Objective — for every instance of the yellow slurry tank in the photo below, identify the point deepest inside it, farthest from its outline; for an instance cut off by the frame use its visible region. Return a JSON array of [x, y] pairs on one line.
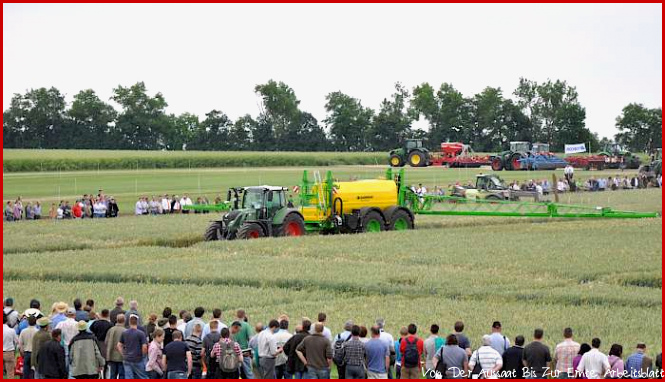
[[365, 193]]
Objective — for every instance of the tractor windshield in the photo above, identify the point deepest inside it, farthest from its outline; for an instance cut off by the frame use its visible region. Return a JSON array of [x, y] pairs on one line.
[[253, 198], [414, 144], [541, 148], [519, 147]]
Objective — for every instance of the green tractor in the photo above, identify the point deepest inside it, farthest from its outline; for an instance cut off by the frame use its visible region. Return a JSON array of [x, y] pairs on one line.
[[617, 156], [491, 188], [413, 152], [256, 212]]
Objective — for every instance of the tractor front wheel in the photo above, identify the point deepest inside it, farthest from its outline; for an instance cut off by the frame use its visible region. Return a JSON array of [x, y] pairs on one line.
[[372, 222], [214, 232], [497, 164], [396, 161], [250, 231], [293, 225], [417, 159]]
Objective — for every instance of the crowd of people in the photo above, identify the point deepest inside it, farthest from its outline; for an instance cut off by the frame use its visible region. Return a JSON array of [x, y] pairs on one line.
[[121, 343], [87, 207]]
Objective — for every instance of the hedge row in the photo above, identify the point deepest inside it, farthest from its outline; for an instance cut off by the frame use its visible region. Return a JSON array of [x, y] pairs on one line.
[[41, 160]]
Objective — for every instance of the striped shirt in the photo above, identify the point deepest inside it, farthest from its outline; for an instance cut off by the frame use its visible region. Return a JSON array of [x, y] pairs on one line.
[[488, 358], [564, 353], [354, 352], [195, 345]]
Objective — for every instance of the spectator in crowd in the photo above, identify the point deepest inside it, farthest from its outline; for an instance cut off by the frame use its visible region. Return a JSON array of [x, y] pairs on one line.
[[154, 366], [411, 349], [151, 325], [18, 209], [133, 311], [38, 341], [197, 320], [133, 346], [322, 318], [594, 364], [175, 204], [659, 363], [454, 357], [388, 339], [58, 313], [584, 348], [499, 342], [182, 325], [268, 351], [86, 361], [512, 359], [315, 352], [489, 359], [638, 363], [227, 354], [177, 358], [185, 201], [195, 344], [119, 303], [9, 344], [172, 327], [51, 360], [403, 333], [377, 354], [209, 342], [462, 340], [81, 315], [616, 363], [29, 212], [53, 211], [216, 316], [338, 355], [536, 356], [12, 315], [100, 328], [295, 366], [431, 346], [353, 355], [166, 204], [25, 345], [155, 206], [282, 337], [113, 211], [9, 212], [69, 330], [33, 311], [565, 353], [114, 356], [77, 209]]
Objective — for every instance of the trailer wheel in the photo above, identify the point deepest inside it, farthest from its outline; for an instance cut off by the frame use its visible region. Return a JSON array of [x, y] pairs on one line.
[[293, 225], [372, 222], [417, 159], [250, 231], [497, 164], [214, 232], [396, 161], [400, 220]]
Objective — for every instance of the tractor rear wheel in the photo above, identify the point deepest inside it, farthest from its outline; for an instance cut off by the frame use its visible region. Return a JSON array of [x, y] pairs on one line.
[[214, 232], [400, 220], [396, 161], [515, 161], [293, 225], [497, 164], [417, 159], [250, 231], [372, 222]]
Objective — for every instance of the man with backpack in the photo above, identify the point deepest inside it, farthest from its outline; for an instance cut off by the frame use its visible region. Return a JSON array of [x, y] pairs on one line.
[[338, 345], [227, 355], [411, 349], [12, 315]]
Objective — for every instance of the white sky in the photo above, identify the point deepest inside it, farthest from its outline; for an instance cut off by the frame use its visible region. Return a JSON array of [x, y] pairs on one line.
[[204, 57]]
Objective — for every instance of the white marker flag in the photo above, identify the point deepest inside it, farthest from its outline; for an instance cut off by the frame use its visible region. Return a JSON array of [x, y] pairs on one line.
[[578, 148]]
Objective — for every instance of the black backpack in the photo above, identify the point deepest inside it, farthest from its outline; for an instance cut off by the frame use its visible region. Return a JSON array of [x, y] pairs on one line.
[[338, 355], [411, 356], [441, 367]]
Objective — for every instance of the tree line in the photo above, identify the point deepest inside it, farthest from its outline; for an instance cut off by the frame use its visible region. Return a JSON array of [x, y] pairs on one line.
[[544, 112]]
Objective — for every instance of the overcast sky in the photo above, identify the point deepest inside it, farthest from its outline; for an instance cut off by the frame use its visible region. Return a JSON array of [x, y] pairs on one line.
[[204, 57]]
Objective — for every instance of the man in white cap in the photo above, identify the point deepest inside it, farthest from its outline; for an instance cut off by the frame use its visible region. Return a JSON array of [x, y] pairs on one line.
[[86, 358]]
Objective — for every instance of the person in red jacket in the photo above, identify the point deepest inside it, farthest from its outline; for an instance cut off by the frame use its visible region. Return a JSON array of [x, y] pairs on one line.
[[77, 210], [411, 349]]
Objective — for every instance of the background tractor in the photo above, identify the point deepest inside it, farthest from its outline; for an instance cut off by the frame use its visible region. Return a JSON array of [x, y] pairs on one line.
[[413, 152], [257, 212], [524, 156], [617, 156], [649, 172], [491, 188]]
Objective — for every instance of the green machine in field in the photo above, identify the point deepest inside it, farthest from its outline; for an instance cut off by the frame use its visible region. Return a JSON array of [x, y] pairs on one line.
[[329, 206]]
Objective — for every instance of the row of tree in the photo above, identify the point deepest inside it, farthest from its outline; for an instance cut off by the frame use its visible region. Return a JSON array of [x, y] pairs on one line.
[[546, 112]]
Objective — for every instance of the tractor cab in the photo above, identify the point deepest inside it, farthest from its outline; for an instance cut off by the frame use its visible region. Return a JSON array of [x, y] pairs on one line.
[[411, 144], [266, 200], [520, 147], [541, 148], [489, 183]]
